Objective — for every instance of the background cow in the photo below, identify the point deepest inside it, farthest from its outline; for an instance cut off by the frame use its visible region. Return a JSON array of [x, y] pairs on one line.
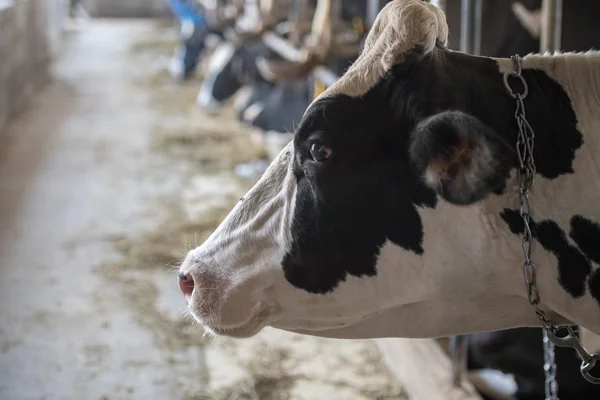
[[519, 352]]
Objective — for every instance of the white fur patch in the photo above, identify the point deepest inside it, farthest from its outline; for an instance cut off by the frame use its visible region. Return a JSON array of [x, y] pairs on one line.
[[241, 98], [253, 111], [219, 59]]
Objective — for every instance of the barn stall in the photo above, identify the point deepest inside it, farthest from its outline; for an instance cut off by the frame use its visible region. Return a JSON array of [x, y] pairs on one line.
[[110, 171]]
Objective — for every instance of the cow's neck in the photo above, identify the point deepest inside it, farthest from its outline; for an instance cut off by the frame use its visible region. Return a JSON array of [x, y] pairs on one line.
[[565, 204], [577, 73], [479, 247]]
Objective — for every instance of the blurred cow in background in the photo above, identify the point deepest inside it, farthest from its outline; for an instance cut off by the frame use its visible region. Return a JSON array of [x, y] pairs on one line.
[[518, 353], [271, 92]]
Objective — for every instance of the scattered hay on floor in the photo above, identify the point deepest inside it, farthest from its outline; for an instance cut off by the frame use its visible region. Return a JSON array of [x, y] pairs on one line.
[[164, 247], [169, 333], [164, 44], [150, 57], [266, 379], [217, 147], [186, 131], [162, 36], [184, 221], [158, 252], [285, 366]]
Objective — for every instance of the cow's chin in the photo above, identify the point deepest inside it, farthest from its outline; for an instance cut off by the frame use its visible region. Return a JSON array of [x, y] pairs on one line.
[[238, 324], [241, 332]]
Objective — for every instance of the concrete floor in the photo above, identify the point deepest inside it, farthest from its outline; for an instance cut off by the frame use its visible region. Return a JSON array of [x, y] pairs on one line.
[[70, 170], [78, 171]]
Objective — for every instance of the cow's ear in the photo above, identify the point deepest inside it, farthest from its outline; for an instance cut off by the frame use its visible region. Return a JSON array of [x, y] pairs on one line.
[[460, 157]]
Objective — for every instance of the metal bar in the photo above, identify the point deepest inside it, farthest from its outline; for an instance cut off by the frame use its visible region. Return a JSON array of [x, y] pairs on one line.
[[477, 27], [321, 17], [320, 23], [283, 47], [289, 52], [335, 13], [373, 8], [551, 34], [325, 75], [298, 10], [459, 346], [466, 26], [266, 6], [298, 15], [439, 3], [471, 15]]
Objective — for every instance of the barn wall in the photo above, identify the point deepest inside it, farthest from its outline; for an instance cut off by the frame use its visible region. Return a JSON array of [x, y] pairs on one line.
[[28, 38], [127, 8]]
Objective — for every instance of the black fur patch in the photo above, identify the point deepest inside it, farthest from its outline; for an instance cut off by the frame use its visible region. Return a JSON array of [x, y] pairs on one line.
[[284, 106], [586, 234], [594, 284], [368, 190], [348, 206], [574, 266], [240, 70]]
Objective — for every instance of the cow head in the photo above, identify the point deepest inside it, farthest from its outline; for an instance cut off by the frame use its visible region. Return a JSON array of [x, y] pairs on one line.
[[230, 68], [371, 219]]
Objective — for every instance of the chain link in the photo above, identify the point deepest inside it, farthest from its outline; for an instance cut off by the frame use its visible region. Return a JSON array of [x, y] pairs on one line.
[[550, 383]]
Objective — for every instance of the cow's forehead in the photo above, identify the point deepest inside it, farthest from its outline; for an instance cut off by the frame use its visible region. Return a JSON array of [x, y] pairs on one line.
[[320, 111]]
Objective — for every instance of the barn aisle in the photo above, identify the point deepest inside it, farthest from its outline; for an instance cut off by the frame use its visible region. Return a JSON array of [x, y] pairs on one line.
[[105, 181], [69, 168]]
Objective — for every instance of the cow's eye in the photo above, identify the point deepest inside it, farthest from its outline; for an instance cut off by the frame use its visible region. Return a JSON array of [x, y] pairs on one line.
[[319, 152]]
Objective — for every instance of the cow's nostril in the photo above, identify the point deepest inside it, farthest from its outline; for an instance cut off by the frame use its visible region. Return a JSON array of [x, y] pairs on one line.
[[186, 284]]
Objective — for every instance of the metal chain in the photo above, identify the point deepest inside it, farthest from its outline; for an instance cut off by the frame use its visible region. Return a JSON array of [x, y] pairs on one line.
[[525, 174], [550, 383]]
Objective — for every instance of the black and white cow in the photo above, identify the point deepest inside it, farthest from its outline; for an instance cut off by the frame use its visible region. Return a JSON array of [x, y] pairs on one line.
[[232, 71], [230, 68], [277, 114], [393, 213], [292, 98]]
